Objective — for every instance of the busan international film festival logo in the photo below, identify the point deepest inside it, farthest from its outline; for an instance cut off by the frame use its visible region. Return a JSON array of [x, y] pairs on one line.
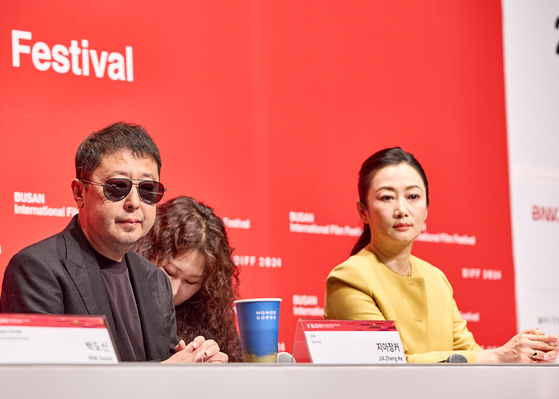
[[34, 204], [304, 222], [307, 305], [78, 57], [546, 214]]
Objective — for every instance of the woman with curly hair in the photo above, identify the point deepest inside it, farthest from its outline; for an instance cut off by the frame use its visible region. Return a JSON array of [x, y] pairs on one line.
[[189, 243]]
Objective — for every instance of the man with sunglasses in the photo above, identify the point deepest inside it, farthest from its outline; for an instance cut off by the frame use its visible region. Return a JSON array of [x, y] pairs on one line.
[[89, 268]]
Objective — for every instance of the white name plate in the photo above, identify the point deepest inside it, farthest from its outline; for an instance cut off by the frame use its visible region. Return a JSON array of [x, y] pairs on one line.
[[55, 339], [349, 342]]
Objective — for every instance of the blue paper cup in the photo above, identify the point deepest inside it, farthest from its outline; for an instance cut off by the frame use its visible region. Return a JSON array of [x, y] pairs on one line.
[[258, 325]]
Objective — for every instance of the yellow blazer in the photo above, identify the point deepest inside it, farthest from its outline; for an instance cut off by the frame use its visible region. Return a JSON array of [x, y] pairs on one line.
[[430, 325]]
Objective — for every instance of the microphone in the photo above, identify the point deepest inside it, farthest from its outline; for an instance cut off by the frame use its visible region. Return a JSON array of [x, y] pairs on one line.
[[456, 358], [284, 357]]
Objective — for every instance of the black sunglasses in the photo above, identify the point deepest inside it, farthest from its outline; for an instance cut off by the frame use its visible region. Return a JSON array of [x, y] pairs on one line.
[[116, 189]]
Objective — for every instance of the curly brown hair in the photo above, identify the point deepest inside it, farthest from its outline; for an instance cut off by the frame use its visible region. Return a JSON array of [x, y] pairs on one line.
[[183, 225]]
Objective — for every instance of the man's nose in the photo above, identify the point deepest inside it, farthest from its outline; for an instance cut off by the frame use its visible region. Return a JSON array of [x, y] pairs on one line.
[[132, 200]]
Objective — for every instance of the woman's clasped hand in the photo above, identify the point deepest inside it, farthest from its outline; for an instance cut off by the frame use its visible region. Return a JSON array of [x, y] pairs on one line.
[[530, 346]]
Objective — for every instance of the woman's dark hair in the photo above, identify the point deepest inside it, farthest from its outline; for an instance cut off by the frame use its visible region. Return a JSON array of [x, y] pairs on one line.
[[183, 225], [387, 157]]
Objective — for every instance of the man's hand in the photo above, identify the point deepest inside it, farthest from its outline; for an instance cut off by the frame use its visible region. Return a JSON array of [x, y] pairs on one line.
[[199, 350]]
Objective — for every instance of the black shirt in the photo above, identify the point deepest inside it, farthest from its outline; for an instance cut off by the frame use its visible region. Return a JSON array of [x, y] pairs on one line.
[[128, 329]]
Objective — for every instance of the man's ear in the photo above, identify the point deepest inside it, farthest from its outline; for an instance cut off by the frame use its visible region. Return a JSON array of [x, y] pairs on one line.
[[362, 210], [78, 189]]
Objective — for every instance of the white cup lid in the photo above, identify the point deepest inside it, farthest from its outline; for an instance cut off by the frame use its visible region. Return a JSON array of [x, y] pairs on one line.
[[259, 300]]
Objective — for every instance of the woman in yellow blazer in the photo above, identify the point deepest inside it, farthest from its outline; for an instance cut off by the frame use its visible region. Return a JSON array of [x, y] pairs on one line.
[[383, 281]]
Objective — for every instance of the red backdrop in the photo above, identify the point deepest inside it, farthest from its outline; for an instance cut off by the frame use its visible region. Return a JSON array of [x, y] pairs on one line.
[[265, 108]]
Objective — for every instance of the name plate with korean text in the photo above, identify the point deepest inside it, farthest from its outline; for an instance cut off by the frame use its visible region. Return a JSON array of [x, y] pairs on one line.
[[348, 342], [55, 339]]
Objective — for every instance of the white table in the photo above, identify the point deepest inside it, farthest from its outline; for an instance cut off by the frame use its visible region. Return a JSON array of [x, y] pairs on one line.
[[152, 380]]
